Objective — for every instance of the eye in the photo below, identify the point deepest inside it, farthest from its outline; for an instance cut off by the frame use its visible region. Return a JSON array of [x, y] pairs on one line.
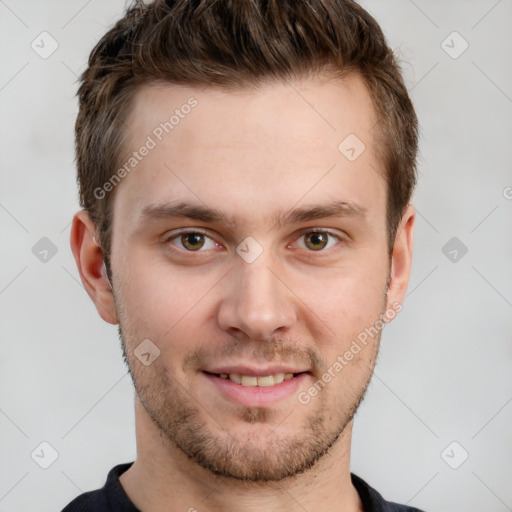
[[192, 241], [318, 240], [196, 241]]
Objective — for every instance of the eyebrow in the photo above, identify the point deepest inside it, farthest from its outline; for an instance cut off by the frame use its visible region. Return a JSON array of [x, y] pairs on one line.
[[213, 215]]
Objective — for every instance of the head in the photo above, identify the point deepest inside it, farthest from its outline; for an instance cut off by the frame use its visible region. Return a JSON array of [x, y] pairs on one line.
[[245, 173]]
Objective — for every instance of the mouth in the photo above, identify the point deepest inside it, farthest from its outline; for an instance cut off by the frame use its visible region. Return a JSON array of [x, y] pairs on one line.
[[266, 389], [256, 381]]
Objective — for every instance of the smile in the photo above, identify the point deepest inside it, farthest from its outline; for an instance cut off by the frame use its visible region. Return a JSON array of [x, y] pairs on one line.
[[257, 390], [261, 381]]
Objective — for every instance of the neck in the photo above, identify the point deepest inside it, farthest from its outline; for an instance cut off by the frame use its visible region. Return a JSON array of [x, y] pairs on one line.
[[163, 478]]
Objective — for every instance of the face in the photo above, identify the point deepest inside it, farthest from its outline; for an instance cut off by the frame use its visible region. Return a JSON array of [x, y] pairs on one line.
[[251, 252]]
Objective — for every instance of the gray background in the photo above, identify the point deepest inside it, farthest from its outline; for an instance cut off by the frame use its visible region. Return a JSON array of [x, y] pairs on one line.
[[444, 372]]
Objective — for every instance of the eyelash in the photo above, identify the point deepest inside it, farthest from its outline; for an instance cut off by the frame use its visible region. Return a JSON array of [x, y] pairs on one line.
[[176, 236]]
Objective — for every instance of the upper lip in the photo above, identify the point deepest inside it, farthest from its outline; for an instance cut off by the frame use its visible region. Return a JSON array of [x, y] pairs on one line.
[[255, 372]]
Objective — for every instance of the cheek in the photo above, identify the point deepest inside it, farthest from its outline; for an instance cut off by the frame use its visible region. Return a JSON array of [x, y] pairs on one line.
[[163, 303], [348, 300]]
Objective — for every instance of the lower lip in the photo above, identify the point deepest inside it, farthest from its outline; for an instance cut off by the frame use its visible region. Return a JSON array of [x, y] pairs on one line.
[[256, 396]]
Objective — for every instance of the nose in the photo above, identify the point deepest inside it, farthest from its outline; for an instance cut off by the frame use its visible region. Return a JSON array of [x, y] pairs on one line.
[[256, 303]]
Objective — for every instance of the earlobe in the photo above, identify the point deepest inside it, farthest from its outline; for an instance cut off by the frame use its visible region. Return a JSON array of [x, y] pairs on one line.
[[91, 266], [401, 260]]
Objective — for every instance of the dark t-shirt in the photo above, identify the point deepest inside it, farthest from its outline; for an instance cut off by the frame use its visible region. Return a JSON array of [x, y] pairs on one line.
[[112, 498]]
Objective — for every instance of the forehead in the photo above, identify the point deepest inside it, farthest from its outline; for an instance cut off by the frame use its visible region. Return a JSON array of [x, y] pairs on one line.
[[252, 151], [310, 110]]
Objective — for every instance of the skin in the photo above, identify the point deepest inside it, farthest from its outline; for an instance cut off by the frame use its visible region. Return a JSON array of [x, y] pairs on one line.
[[253, 155]]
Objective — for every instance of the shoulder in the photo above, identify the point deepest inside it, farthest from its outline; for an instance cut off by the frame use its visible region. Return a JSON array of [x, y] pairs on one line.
[[92, 500], [110, 498], [396, 507], [374, 502]]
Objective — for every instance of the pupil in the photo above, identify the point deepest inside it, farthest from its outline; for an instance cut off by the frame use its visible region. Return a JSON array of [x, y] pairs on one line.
[[193, 240], [317, 240]]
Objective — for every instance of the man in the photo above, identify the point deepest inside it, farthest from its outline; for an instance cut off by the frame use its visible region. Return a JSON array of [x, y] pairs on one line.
[[245, 173]]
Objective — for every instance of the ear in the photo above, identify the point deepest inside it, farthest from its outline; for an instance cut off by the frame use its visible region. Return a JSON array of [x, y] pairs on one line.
[[91, 266], [401, 259]]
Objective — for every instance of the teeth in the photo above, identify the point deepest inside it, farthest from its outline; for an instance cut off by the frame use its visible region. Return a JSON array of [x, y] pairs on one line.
[[234, 377], [265, 381], [279, 377], [250, 380]]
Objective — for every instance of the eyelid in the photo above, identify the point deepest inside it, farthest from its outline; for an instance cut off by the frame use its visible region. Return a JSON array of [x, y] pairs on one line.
[[174, 234], [306, 231]]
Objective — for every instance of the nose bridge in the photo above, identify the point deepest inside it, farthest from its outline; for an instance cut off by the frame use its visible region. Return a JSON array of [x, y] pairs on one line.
[[257, 302]]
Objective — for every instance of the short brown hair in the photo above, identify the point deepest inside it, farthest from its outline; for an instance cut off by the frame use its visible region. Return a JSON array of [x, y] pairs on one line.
[[235, 44]]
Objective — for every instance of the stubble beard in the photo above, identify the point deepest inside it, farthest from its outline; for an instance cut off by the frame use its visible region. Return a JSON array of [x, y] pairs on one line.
[[179, 416], [180, 419]]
